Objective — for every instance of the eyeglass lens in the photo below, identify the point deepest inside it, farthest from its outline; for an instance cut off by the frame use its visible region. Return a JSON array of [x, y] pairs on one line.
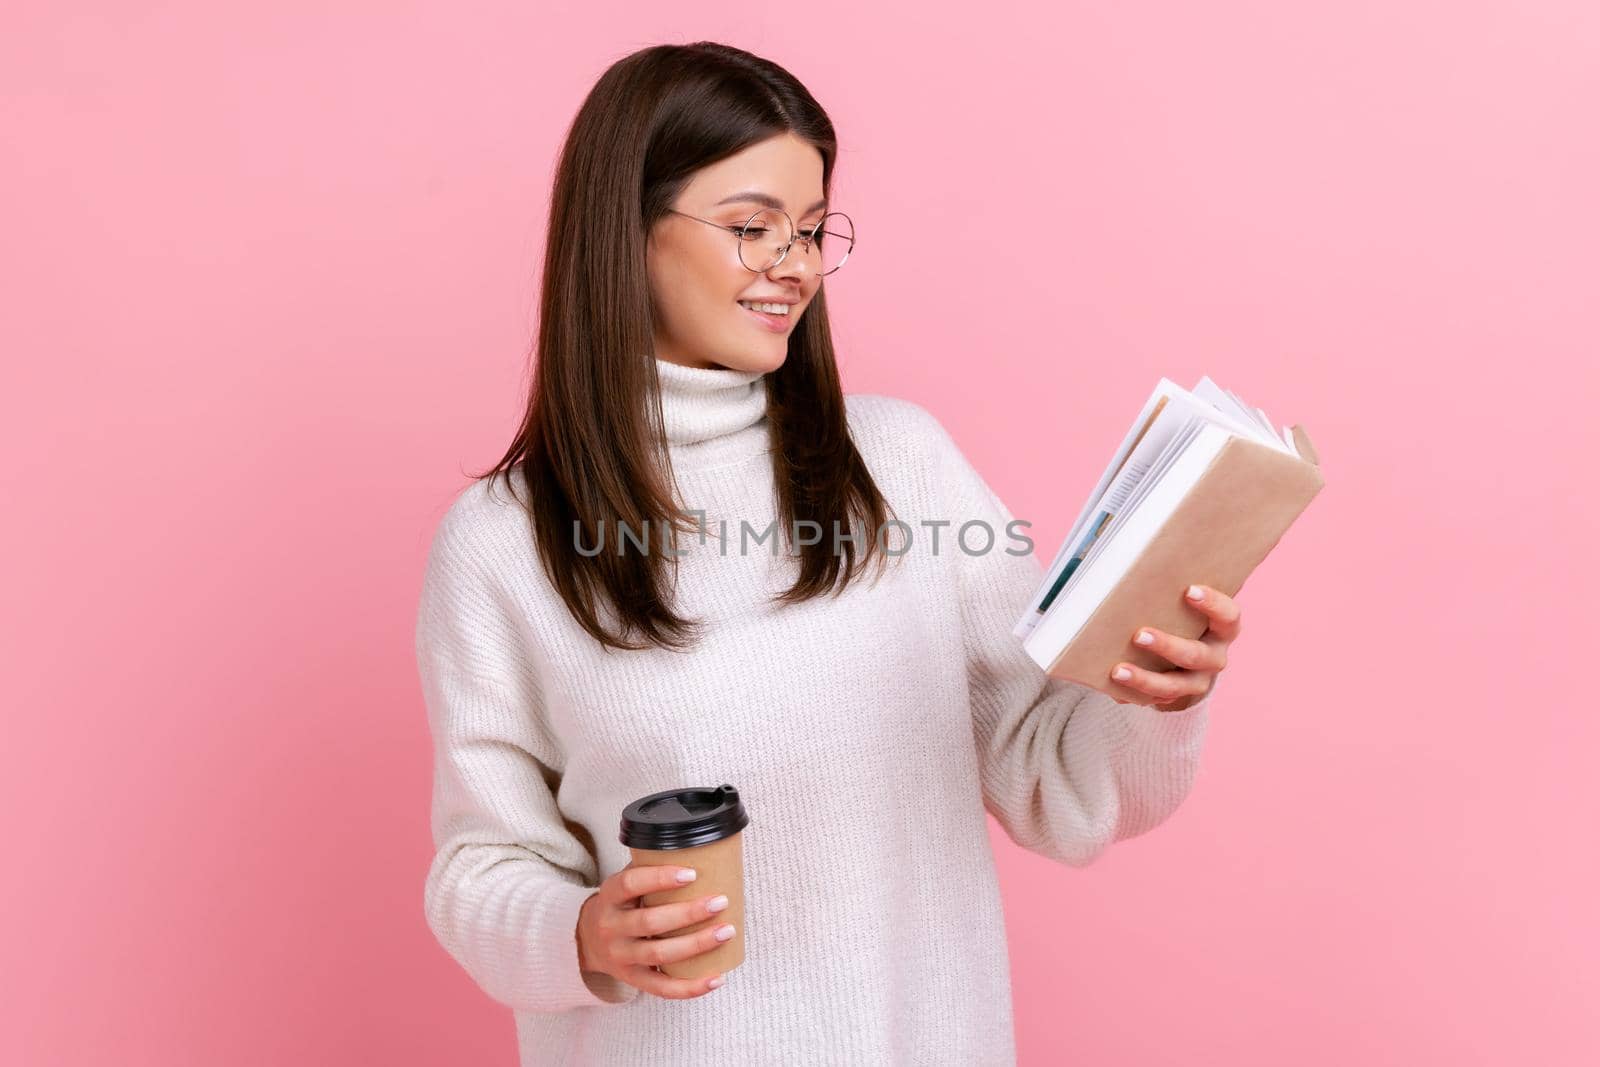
[[826, 241]]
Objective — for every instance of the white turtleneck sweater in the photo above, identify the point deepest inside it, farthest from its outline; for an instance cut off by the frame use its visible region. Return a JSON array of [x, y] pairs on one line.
[[867, 735]]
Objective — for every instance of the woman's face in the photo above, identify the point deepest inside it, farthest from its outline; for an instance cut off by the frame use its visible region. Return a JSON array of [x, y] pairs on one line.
[[696, 278]]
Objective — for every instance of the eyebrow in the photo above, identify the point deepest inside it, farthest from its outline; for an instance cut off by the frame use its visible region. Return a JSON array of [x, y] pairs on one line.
[[765, 201]]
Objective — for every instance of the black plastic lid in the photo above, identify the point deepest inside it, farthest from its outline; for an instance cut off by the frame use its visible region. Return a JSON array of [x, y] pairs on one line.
[[683, 818]]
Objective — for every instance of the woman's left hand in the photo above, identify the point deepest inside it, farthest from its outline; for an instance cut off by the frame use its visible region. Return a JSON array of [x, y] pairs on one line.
[[1200, 659]]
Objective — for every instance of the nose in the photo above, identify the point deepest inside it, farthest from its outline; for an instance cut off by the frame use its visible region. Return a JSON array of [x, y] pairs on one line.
[[795, 265]]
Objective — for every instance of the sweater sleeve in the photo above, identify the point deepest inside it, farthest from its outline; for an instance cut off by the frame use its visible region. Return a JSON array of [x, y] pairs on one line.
[[1065, 769], [508, 877]]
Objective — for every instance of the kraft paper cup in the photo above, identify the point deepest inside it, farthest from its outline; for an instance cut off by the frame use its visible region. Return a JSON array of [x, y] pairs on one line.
[[703, 829]]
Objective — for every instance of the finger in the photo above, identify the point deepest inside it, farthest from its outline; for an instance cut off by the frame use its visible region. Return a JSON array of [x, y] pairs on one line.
[[1173, 705], [633, 882], [664, 918], [659, 950], [664, 985], [1163, 685], [1219, 607], [1189, 653]]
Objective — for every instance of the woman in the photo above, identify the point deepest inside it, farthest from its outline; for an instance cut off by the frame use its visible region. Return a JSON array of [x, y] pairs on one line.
[[624, 620]]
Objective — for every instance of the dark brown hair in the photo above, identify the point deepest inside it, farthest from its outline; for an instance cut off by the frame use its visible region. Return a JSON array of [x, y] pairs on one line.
[[591, 441]]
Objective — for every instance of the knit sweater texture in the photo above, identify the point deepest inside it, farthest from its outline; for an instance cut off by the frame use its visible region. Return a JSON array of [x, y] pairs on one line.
[[868, 735]]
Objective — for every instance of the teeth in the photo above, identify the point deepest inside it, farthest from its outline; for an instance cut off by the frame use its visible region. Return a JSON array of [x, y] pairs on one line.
[[770, 309]]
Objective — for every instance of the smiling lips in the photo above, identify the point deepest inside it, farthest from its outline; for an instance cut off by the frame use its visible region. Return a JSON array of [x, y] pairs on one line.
[[774, 323]]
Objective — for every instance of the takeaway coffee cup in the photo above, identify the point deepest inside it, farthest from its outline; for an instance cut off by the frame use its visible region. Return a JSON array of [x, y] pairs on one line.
[[697, 828]]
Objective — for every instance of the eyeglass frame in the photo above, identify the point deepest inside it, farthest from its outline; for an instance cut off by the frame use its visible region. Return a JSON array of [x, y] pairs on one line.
[[794, 231]]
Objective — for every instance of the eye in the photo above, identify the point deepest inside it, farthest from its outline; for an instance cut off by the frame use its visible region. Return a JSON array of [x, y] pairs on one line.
[[754, 233]]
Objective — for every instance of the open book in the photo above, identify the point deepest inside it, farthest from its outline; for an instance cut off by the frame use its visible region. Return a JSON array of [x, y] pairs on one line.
[[1201, 489]]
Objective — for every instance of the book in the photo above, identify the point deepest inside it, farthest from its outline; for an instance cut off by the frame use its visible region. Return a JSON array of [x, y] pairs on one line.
[[1200, 490]]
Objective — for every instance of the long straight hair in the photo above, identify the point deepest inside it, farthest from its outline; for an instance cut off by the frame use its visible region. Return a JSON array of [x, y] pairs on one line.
[[591, 442]]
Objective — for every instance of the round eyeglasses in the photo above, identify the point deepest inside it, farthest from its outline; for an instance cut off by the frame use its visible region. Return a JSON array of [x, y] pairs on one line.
[[765, 238]]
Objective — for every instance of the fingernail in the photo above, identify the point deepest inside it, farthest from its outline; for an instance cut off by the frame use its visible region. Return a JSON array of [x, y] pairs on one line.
[[1144, 638], [724, 931], [716, 904], [716, 983], [1122, 674], [686, 874], [1195, 592]]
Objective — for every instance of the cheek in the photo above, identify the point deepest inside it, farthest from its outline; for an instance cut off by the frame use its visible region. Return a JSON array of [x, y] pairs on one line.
[[675, 288], [725, 277], [694, 292], [713, 284]]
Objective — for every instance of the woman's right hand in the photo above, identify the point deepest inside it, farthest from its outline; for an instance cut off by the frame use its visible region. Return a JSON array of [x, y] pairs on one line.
[[614, 932]]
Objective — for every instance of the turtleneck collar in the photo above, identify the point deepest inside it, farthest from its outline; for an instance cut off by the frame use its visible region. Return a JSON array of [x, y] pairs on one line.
[[708, 405]]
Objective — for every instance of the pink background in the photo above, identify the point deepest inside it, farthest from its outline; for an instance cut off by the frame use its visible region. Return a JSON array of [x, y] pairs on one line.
[[267, 279]]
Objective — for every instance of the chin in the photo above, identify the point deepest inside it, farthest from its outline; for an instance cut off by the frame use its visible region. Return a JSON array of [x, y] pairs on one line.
[[756, 361], [772, 363]]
